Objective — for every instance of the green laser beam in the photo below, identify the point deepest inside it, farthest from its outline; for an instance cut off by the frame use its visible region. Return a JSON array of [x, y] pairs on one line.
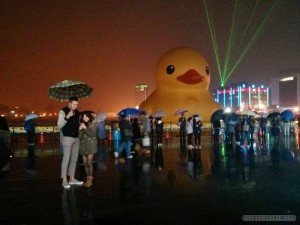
[[246, 29], [214, 42], [251, 42], [227, 56], [214, 38], [229, 63]]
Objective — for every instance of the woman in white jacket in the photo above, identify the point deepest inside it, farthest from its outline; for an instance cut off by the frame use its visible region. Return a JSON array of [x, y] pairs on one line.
[[189, 130]]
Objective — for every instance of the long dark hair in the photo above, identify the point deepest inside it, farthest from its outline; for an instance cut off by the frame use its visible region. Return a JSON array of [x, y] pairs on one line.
[[89, 114]]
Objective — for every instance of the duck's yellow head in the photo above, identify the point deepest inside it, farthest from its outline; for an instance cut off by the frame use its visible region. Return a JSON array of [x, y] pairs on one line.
[[182, 68]]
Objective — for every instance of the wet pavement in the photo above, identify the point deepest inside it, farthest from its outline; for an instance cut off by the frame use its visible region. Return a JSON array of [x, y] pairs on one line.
[[215, 185]]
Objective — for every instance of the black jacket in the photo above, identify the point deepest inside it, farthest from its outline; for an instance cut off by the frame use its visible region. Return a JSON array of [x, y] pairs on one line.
[[72, 126]]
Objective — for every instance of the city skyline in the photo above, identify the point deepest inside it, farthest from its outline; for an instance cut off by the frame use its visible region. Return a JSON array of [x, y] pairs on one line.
[[112, 46]]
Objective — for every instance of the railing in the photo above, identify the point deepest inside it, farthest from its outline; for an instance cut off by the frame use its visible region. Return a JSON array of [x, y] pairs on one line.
[[43, 141]]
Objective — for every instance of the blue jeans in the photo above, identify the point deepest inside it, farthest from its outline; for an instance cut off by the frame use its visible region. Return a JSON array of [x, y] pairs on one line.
[[125, 145]]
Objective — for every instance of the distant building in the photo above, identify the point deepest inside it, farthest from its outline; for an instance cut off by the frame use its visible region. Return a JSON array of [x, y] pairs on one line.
[[141, 93], [243, 96], [285, 90]]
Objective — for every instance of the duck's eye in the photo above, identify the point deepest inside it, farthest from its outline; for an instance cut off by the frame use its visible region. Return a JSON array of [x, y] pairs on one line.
[[170, 69], [207, 70]]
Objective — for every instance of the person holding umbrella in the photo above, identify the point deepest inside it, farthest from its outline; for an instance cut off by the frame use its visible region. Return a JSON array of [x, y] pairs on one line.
[[287, 116], [126, 136], [68, 122], [29, 127]]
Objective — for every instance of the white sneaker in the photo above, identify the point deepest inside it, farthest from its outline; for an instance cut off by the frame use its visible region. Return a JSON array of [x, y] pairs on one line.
[[76, 182], [190, 147], [116, 154], [66, 185], [129, 157]]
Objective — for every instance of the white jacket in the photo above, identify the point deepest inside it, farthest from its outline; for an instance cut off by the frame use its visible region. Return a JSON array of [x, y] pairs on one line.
[[189, 127]]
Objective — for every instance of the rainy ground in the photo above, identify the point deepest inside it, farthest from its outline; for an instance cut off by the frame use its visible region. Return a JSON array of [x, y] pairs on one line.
[[218, 184]]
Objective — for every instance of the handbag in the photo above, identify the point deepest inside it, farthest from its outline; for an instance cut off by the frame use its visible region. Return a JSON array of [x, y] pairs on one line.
[[128, 132], [146, 141]]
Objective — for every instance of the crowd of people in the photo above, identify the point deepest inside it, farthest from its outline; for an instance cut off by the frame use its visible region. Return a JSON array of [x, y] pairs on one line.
[[84, 135], [241, 129]]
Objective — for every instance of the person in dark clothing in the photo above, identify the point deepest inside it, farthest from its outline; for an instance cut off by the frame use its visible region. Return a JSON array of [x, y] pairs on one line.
[[230, 129], [275, 130], [238, 130], [182, 133], [182, 125], [29, 127], [275, 150], [197, 124], [152, 131], [126, 136], [263, 126], [216, 126], [136, 130], [245, 127], [159, 125], [102, 140], [251, 129]]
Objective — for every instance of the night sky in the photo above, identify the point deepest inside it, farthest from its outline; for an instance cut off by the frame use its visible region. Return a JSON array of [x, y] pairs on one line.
[[114, 45]]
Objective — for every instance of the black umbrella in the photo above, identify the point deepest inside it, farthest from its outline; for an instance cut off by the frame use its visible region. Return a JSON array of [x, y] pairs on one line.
[[231, 117], [273, 115], [217, 115]]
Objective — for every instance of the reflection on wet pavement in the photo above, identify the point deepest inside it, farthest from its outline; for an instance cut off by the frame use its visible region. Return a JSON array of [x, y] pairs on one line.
[[217, 184]]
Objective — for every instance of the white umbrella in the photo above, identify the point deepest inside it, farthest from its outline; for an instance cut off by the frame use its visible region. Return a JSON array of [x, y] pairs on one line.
[[247, 112], [263, 114], [159, 114], [31, 116]]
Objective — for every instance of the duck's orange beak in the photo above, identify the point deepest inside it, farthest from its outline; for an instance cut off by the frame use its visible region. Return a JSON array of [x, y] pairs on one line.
[[190, 77]]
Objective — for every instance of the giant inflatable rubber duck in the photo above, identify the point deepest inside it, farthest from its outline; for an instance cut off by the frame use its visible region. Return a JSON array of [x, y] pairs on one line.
[[183, 78]]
